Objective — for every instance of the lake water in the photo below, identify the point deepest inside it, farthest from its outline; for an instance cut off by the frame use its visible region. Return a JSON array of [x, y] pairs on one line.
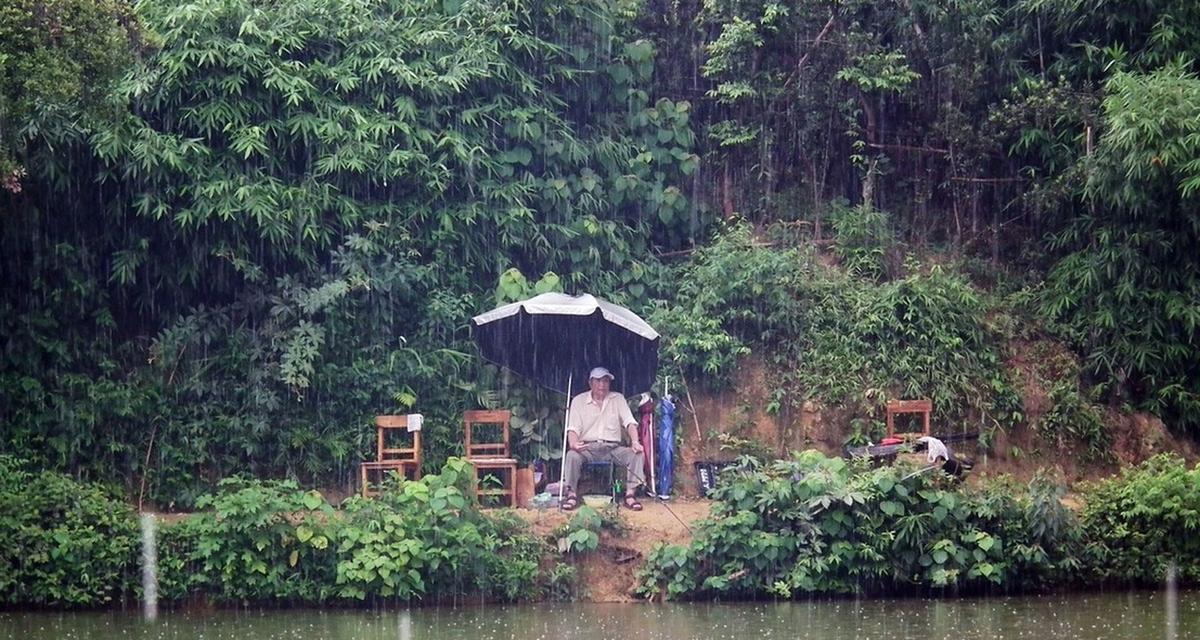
[[1132, 616]]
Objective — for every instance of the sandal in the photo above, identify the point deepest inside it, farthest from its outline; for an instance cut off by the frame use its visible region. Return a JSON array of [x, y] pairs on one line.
[[570, 503], [631, 503]]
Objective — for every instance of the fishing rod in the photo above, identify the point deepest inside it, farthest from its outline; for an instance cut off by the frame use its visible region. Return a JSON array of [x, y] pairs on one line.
[[958, 437]]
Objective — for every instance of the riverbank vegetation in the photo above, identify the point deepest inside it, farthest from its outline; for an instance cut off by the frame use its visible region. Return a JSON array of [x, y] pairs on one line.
[[795, 528], [847, 336], [269, 542], [815, 525]]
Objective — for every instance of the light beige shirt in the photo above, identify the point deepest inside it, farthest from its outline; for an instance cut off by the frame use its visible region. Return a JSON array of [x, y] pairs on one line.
[[599, 421]]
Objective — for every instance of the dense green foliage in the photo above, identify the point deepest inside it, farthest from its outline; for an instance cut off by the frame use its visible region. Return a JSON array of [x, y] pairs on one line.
[[70, 544], [836, 338], [269, 541], [231, 231], [302, 206], [805, 525], [59, 60], [65, 543], [1140, 522], [581, 533], [817, 525], [1128, 291], [980, 126], [886, 102]]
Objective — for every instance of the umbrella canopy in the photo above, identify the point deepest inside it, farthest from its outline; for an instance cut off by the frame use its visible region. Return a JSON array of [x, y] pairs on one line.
[[554, 337]]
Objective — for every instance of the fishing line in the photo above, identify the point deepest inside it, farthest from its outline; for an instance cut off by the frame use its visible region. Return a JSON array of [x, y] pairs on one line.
[[919, 471], [676, 516]]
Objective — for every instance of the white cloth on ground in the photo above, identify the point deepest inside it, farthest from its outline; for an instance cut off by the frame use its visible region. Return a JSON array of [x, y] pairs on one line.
[[935, 449]]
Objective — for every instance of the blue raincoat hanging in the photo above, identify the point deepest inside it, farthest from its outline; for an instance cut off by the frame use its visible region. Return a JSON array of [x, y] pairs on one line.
[[666, 446]]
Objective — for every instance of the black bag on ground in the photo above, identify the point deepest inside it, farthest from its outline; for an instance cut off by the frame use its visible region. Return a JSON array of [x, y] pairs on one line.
[[707, 474]]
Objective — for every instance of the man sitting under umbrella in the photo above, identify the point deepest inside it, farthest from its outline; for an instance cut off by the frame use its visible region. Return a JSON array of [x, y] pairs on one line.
[[594, 425]]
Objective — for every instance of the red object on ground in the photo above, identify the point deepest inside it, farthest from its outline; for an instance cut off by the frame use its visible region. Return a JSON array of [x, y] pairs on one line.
[[887, 441]]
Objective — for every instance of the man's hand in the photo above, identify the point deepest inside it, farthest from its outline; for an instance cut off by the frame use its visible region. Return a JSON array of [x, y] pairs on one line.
[[634, 443], [579, 446]]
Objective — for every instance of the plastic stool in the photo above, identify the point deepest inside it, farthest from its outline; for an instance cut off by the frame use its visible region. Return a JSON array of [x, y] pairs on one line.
[[611, 473]]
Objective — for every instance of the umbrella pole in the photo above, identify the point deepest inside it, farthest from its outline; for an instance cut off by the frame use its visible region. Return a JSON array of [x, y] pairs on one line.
[[654, 445], [653, 481], [562, 469]]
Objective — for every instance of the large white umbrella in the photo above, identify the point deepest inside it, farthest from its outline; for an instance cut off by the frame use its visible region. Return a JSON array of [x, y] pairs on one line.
[[555, 339]]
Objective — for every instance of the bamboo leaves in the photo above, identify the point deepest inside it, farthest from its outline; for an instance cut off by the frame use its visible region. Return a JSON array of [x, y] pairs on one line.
[[1125, 289], [305, 199]]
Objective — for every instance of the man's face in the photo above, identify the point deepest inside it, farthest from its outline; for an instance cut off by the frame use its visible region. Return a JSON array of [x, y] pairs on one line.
[[599, 386]]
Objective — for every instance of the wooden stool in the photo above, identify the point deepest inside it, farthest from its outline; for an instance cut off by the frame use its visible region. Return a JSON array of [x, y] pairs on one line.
[[491, 455], [406, 460], [897, 407]]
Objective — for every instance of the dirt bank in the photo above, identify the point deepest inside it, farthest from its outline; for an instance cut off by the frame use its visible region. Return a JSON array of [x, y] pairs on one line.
[[719, 424], [607, 574]]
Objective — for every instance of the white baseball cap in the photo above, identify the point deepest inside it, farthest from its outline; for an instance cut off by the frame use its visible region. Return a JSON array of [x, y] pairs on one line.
[[600, 372]]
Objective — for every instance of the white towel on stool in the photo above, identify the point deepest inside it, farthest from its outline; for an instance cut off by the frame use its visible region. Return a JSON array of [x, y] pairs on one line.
[[415, 420]]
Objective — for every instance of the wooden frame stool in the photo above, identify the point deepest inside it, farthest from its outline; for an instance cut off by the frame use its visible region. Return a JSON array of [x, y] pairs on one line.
[[897, 407], [406, 460], [491, 455]]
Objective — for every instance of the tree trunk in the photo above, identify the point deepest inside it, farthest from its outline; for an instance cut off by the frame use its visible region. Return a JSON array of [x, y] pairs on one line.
[[727, 192], [871, 133]]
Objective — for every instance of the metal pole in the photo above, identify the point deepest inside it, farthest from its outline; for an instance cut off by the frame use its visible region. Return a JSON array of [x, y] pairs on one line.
[[653, 476], [654, 443], [562, 469]]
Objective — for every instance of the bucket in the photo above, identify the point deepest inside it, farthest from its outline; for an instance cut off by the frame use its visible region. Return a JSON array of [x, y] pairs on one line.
[[524, 486]]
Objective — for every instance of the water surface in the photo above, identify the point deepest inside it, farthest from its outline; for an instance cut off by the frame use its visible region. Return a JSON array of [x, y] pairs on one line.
[[1132, 616]]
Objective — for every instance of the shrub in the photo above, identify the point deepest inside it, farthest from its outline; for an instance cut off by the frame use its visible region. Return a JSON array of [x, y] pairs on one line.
[[269, 541], [813, 524], [1072, 416], [863, 238], [66, 543], [1139, 522], [178, 574], [840, 339], [512, 572], [421, 537], [263, 540], [581, 533]]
